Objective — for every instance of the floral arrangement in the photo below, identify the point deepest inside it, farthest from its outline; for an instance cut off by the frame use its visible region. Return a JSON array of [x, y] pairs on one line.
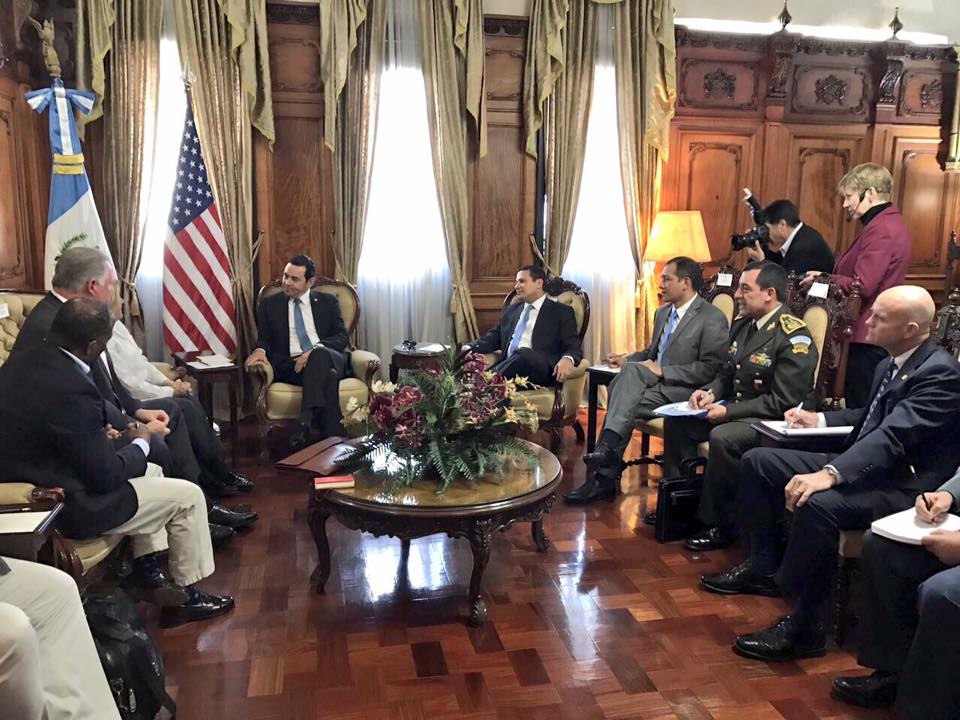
[[460, 420]]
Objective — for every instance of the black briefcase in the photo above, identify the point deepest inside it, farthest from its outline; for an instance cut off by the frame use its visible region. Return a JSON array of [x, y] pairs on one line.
[[677, 501]]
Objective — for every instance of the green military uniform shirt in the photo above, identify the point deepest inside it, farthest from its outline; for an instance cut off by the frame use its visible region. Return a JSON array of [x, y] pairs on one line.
[[770, 372]]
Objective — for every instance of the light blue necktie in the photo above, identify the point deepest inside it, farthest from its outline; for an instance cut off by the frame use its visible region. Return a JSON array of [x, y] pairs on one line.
[[518, 331], [665, 335], [300, 326]]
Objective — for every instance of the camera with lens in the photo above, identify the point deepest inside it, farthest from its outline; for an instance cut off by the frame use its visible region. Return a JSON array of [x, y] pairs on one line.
[[759, 234]]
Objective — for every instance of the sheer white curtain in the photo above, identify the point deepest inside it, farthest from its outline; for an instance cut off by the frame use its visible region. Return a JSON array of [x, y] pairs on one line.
[[160, 171], [403, 277], [599, 259]]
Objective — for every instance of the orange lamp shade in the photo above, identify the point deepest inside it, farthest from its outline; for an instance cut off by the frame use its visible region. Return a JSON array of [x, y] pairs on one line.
[[675, 233]]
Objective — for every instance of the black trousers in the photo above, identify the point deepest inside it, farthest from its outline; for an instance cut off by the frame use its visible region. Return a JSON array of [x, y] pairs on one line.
[[528, 363], [809, 562], [207, 447], [183, 460], [728, 442], [911, 624], [320, 380], [862, 360]]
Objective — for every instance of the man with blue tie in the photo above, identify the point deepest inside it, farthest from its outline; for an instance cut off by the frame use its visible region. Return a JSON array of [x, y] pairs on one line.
[[303, 336], [903, 444], [537, 336], [688, 346]]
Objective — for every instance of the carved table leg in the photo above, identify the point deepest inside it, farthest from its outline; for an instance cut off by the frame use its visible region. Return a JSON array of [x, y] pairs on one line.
[[539, 537], [317, 516], [480, 544]]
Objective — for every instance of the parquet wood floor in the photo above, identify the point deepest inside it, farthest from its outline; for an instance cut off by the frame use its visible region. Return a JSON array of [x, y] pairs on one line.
[[607, 624]]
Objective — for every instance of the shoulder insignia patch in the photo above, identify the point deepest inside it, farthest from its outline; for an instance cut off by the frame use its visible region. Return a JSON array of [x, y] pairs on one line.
[[801, 349], [791, 324]]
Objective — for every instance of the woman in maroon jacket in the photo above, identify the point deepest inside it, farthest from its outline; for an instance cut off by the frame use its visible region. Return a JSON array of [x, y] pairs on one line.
[[878, 258]]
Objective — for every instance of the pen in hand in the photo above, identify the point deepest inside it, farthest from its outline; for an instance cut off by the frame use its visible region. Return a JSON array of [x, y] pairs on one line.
[[790, 423], [926, 502]]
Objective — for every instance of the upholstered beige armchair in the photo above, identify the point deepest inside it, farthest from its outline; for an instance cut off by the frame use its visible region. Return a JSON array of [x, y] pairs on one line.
[[557, 405], [279, 403]]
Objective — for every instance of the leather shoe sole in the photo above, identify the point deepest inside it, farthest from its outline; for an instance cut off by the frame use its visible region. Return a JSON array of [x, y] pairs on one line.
[[791, 653], [173, 616], [764, 588], [883, 696]]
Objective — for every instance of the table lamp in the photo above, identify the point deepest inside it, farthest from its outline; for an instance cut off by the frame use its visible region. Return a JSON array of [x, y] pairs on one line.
[[675, 233]]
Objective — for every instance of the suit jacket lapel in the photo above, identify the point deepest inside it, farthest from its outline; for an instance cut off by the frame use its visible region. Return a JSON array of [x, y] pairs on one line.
[[659, 323], [542, 315], [922, 352], [688, 316]]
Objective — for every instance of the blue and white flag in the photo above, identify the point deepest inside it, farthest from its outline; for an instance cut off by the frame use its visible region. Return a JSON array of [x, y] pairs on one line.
[[72, 219]]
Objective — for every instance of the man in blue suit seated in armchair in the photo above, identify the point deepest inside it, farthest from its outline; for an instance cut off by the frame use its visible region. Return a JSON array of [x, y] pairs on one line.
[[537, 337], [904, 443]]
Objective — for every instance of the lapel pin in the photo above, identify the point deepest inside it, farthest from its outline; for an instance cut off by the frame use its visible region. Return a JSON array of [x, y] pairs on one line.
[[903, 377]]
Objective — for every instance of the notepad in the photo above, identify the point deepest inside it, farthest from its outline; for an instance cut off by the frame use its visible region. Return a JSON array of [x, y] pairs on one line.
[[333, 482], [604, 368], [906, 527], [679, 409], [211, 361], [21, 522], [780, 426]]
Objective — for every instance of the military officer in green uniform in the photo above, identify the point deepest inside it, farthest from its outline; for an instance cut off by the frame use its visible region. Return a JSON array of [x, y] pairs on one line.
[[768, 370]]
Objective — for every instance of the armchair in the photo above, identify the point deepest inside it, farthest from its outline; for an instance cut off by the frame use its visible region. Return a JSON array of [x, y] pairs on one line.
[[557, 406], [279, 403]]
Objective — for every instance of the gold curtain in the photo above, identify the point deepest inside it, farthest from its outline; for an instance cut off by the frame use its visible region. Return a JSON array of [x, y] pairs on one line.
[[644, 40], [544, 62], [565, 128], [222, 49], [356, 127], [339, 20], [447, 80], [953, 143], [94, 30], [130, 122]]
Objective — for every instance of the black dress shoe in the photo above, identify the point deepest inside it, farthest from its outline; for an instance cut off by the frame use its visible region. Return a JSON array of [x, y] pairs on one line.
[[713, 538], [650, 518], [221, 489], [740, 580], [239, 481], [602, 456], [154, 589], [785, 640], [203, 607], [872, 691], [592, 490], [300, 437], [231, 518], [220, 535]]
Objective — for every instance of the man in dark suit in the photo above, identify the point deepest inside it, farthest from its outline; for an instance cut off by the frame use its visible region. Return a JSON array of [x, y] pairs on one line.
[[55, 434], [688, 346], [768, 369], [795, 246], [302, 335], [902, 444], [911, 603], [86, 272], [536, 336]]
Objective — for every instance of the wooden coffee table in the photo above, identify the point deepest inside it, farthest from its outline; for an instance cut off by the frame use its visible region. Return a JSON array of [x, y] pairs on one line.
[[524, 494]]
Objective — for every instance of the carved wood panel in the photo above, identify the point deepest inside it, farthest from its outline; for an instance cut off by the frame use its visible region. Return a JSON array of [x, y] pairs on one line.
[[719, 85], [833, 93], [706, 171]]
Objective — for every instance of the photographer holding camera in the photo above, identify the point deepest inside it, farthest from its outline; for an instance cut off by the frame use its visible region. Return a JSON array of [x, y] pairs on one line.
[[780, 237]]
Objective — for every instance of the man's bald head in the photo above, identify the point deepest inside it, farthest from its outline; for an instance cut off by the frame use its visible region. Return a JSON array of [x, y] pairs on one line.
[[901, 318]]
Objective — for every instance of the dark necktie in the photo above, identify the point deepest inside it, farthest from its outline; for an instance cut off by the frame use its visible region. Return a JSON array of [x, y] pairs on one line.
[[870, 421], [752, 330]]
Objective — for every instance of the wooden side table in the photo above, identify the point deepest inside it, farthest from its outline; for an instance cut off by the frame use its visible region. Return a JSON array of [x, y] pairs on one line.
[[206, 378], [416, 358]]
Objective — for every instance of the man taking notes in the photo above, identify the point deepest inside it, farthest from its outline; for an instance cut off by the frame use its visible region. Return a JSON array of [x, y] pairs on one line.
[[689, 342]]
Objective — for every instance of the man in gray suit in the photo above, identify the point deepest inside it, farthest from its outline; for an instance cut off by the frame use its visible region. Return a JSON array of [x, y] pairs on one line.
[[690, 338]]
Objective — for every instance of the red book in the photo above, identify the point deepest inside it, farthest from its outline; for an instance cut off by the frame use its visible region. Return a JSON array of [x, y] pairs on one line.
[[333, 482]]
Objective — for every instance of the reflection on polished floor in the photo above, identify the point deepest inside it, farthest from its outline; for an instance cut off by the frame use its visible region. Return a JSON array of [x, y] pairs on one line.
[[608, 624]]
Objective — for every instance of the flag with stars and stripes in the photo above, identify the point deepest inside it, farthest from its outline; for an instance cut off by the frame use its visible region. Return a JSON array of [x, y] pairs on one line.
[[198, 306], [72, 218]]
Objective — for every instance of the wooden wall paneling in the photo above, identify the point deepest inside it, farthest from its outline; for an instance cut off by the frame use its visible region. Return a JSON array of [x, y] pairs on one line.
[[925, 194], [804, 163], [293, 183], [706, 171], [723, 79], [502, 185]]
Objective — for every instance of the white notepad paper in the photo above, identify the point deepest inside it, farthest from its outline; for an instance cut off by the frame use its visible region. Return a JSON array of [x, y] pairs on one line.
[[21, 522], [780, 426], [906, 527]]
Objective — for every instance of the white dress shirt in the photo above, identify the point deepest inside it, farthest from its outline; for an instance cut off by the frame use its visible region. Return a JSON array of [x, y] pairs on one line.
[[789, 240], [682, 310], [137, 374], [307, 311], [526, 339]]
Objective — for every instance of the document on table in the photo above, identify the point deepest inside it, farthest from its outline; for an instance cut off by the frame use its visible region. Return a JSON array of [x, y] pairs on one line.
[[906, 527], [21, 522], [679, 409], [432, 347], [780, 426]]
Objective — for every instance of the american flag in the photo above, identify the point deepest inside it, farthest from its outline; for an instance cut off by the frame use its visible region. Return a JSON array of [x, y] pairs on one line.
[[198, 308]]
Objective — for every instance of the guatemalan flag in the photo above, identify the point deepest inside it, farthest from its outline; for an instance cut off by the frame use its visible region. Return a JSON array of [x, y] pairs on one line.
[[72, 219]]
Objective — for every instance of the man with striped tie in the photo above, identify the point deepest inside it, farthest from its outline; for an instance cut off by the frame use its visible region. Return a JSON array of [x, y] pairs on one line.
[[903, 444], [303, 336], [537, 336], [688, 346]]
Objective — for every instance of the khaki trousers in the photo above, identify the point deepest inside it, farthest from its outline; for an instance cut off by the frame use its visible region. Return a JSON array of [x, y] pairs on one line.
[[49, 667]]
